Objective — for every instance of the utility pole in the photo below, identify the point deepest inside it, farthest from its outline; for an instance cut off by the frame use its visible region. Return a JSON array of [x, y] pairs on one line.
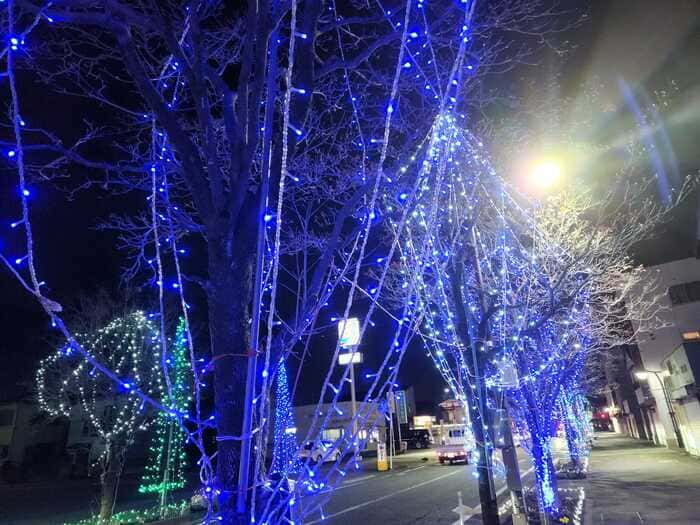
[[660, 374], [392, 448], [513, 480]]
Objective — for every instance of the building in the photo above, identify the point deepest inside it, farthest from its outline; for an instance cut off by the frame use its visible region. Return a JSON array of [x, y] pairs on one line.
[[663, 369], [29, 442], [337, 421]]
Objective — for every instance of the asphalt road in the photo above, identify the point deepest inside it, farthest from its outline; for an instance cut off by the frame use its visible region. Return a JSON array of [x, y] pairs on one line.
[[416, 491]]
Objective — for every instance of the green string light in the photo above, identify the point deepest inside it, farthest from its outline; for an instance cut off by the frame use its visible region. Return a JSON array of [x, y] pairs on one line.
[[164, 471]]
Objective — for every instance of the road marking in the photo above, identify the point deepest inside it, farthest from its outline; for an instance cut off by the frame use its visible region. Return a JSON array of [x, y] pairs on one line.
[[387, 496], [358, 479], [477, 510], [640, 517], [349, 483], [404, 472]]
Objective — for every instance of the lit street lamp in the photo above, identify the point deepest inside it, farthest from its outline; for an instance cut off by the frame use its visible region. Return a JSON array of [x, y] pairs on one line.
[[545, 174], [660, 374]]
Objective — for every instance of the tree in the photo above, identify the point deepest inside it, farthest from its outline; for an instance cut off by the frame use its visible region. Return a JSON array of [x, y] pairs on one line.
[[285, 455], [215, 111], [164, 471], [517, 296], [68, 385]]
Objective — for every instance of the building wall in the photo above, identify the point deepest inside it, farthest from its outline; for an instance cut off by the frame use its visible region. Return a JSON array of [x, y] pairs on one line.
[[338, 424], [655, 347], [26, 437]]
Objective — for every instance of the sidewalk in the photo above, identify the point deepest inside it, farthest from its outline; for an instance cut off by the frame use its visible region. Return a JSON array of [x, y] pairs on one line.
[[633, 482]]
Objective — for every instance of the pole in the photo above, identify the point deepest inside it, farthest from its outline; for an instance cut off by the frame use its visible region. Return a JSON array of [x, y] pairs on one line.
[[669, 407], [353, 398], [513, 481], [398, 423], [246, 434], [392, 448]]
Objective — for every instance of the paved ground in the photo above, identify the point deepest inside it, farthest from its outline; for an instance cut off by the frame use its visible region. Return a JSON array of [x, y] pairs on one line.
[[631, 482], [418, 491]]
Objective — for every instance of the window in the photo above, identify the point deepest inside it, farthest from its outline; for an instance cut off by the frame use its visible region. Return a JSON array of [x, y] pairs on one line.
[[7, 417], [684, 293], [456, 433], [85, 431], [362, 435], [331, 434], [691, 336]]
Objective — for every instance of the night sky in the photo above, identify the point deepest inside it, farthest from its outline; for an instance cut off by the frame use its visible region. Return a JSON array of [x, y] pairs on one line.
[[648, 43]]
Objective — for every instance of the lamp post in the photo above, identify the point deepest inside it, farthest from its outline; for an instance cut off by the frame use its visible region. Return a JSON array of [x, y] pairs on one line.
[[660, 374], [349, 336]]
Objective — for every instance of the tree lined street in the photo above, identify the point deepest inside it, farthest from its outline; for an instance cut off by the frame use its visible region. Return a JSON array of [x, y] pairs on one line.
[[332, 227]]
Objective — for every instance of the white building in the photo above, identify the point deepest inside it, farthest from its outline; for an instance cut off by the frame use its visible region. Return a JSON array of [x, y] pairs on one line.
[[673, 352], [339, 422]]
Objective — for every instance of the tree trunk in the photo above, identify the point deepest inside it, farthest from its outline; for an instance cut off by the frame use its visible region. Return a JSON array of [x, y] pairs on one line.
[[109, 480], [545, 476], [487, 493], [572, 439], [229, 295], [477, 401]]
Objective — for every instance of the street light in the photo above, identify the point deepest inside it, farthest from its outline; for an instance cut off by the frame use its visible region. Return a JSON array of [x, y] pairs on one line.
[[545, 173], [660, 374]]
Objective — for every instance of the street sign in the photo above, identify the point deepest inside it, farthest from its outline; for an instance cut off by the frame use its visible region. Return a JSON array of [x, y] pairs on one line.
[[507, 375], [344, 359], [401, 406], [349, 332]]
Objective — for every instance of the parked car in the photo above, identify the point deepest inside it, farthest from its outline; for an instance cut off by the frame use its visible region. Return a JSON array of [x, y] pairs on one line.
[[320, 451], [419, 438]]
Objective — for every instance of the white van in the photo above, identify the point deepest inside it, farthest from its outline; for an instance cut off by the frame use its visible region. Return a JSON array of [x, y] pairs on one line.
[[456, 444]]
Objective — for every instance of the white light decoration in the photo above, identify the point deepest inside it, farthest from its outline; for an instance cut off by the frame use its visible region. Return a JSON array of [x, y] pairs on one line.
[[68, 385]]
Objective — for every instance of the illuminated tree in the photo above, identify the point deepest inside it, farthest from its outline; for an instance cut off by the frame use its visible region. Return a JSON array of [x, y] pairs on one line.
[[69, 385], [242, 126], [516, 296], [164, 471], [285, 454]]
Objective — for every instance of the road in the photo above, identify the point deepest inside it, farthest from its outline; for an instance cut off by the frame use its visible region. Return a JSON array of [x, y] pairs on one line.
[[417, 491]]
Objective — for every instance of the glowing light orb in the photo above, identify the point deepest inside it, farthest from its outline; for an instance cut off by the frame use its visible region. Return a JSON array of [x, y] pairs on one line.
[[546, 173]]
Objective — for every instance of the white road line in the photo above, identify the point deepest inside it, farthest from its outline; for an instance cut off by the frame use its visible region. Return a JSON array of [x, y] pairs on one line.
[[477, 510], [348, 483], [357, 479], [387, 496], [404, 472]]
